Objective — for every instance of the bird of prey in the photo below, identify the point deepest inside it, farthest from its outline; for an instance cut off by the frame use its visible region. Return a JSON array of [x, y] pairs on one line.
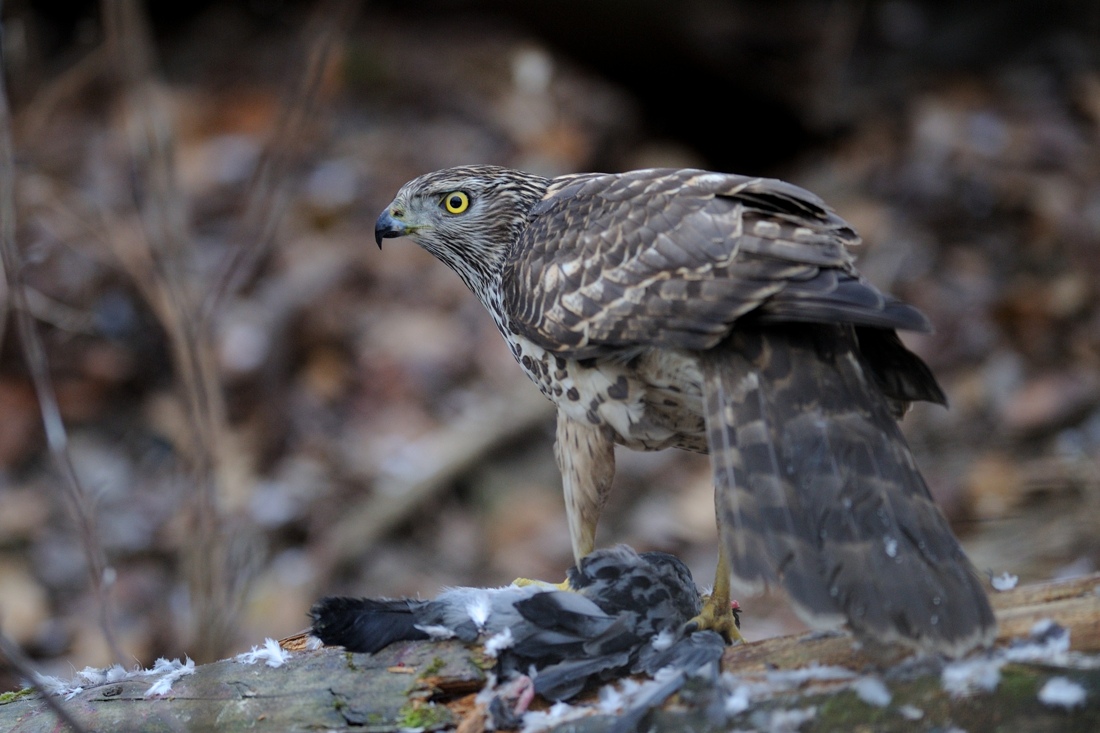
[[626, 612], [719, 313]]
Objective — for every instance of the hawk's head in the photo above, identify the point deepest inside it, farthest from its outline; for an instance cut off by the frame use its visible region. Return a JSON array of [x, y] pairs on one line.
[[466, 216]]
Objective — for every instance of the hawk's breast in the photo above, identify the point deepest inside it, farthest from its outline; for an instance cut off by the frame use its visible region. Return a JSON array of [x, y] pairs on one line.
[[650, 402]]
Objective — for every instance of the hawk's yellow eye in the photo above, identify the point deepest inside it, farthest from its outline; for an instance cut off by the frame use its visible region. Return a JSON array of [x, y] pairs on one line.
[[456, 202]]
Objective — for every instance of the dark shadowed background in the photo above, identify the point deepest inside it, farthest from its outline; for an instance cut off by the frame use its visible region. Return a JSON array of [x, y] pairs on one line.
[[255, 407]]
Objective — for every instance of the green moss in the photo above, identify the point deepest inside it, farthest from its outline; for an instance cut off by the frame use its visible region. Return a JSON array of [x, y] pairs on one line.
[[435, 667], [350, 658], [6, 697], [844, 710], [1019, 683], [423, 715], [481, 660]]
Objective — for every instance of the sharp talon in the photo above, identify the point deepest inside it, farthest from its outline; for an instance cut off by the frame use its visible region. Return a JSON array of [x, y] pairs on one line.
[[726, 620]]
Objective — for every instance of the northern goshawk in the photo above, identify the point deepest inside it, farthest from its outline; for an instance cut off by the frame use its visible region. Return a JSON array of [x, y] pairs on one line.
[[723, 314]]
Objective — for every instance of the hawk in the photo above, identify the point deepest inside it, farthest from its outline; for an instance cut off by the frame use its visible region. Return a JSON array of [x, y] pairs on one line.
[[721, 314]]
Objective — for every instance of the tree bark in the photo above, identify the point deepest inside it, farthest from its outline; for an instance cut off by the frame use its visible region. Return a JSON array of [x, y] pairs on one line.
[[432, 685]]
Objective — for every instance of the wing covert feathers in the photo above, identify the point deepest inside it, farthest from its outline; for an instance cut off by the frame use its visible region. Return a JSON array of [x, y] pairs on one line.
[[817, 489], [672, 258]]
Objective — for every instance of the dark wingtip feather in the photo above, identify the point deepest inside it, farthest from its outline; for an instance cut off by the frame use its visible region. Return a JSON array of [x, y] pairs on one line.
[[907, 317], [901, 374]]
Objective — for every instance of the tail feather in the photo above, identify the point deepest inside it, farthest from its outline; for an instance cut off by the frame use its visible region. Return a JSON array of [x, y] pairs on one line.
[[364, 624], [817, 489]]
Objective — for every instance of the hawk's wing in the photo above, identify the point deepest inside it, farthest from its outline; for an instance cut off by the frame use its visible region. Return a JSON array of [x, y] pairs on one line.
[[672, 257]]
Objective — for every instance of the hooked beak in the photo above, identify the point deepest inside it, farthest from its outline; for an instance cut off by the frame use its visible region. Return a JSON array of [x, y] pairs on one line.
[[387, 227]]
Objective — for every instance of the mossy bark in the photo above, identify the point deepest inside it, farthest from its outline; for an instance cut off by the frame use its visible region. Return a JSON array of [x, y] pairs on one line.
[[431, 685]]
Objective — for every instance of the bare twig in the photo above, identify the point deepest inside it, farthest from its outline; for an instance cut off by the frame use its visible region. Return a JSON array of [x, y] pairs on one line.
[[18, 663], [70, 83], [160, 206], [268, 188], [7, 188], [154, 258], [57, 439]]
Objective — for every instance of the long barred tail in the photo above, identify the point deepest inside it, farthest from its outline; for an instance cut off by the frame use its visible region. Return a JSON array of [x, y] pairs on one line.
[[816, 487]]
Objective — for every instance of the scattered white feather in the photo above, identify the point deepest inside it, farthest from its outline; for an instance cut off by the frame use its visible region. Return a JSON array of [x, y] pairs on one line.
[[615, 698], [791, 678], [497, 643], [92, 676], [68, 689], [911, 712], [968, 676], [1041, 627], [664, 674], [166, 672], [160, 687], [488, 692], [738, 701], [872, 691], [664, 639], [537, 721], [437, 632], [1047, 642], [790, 721], [1061, 692], [479, 609], [1004, 581], [270, 653], [117, 673], [50, 684], [169, 672], [743, 691]]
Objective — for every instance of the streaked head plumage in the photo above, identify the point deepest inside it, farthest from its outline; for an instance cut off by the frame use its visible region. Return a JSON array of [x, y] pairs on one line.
[[466, 216]]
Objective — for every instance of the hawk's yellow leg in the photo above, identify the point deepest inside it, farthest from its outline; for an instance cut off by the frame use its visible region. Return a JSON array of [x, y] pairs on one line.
[[564, 585], [586, 459], [717, 613]]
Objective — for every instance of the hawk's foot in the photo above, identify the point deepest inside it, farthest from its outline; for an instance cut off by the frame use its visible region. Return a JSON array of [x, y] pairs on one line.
[[564, 585], [721, 615]]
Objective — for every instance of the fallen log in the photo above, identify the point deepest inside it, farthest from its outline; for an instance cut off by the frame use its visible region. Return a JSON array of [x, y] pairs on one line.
[[1033, 681]]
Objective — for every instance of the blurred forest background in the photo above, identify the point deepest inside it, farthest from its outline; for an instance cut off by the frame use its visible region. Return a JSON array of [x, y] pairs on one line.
[[219, 400]]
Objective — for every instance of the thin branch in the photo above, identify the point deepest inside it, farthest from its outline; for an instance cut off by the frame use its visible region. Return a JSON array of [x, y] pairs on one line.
[[267, 190], [18, 663], [160, 206], [7, 186], [57, 438]]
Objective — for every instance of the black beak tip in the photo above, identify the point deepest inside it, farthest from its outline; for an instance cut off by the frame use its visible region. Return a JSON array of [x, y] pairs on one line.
[[387, 227]]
